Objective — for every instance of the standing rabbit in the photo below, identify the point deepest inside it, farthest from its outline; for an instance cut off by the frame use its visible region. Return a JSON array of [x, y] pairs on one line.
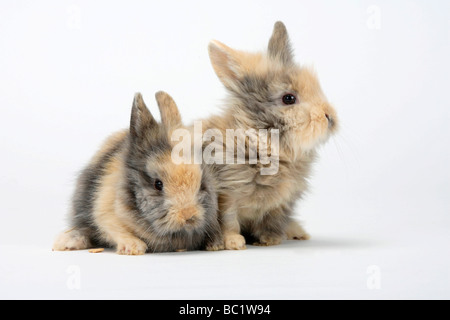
[[268, 91], [132, 196]]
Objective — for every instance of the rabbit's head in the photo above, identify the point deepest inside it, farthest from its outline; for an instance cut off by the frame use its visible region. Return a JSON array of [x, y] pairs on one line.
[[171, 199], [270, 91]]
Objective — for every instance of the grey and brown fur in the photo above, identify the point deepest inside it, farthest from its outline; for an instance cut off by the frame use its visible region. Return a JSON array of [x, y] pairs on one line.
[[116, 202], [261, 207]]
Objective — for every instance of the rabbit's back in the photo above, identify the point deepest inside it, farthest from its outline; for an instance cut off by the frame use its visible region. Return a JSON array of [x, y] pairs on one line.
[[90, 180]]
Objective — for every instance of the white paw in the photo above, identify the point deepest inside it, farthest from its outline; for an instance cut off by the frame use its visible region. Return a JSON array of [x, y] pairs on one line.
[[234, 242], [132, 247], [72, 239]]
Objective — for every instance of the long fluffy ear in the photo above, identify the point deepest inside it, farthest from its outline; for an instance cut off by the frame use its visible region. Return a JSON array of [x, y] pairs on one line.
[[279, 45], [225, 62], [142, 124], [170, 116]]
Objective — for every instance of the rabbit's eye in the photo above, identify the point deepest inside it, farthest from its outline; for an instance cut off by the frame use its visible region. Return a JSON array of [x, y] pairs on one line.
[[159, 185], [289, 99]]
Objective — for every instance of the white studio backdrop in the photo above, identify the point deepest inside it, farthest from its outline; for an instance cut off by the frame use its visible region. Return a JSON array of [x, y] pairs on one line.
[[69, 70]]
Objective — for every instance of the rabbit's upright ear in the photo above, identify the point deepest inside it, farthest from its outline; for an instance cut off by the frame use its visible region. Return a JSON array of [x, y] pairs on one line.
[[170, 115], [279, 45], [143, 126], [225, 61]]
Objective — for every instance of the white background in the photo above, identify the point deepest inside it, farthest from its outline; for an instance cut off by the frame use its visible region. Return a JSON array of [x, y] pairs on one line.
[[379, 206]]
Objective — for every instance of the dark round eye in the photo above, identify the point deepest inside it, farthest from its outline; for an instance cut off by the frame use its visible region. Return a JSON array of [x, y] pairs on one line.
[[289, 99], [159, 185]]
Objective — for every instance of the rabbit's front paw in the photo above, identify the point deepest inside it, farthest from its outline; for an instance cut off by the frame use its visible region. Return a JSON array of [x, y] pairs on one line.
[[234, 241], [132, 247], [296, 232], [271, 240], [215, 246], [72, 239]]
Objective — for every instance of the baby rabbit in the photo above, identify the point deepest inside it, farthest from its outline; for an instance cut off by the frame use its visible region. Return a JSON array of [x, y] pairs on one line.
[[268, 91], [132, 196]]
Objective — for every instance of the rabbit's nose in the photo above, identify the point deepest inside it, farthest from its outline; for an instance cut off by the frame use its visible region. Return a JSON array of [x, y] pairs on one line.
[[188, 214], [330, 120]]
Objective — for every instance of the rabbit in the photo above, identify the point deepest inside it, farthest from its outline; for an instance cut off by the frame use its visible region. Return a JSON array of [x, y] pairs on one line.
[[132, 197], [267, 90]]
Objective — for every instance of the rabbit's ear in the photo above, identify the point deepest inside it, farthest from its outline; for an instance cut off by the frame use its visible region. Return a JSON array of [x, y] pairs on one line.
[[225, 62], [170, 116], [142, 124], [279, 45]]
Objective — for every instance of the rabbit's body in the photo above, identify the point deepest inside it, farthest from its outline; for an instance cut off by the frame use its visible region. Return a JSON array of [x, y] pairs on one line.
[[267, 91], [118, 202], [261, 204]]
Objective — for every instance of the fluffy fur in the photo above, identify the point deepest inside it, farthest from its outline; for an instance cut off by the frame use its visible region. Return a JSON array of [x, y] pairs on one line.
[[117, 204], [261, 207]]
